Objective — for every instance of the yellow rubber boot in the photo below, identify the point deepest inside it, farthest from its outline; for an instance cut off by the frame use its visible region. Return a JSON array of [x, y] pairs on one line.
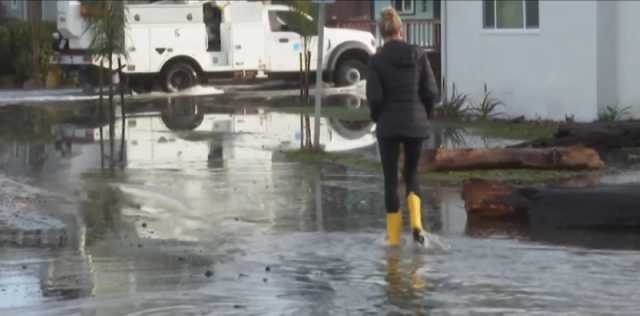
[[415, 213], [394, 229]]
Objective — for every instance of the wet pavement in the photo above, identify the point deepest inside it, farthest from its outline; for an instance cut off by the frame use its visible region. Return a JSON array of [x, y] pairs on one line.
[[209, 218]]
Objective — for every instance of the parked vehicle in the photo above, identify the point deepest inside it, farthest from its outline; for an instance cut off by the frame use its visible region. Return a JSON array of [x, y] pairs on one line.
[[180, 44]]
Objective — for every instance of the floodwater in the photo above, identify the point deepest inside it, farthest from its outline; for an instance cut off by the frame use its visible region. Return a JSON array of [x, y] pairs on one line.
[[207, 217]]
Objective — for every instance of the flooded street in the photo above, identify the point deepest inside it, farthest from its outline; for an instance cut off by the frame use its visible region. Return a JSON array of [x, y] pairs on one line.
[[208, 217]]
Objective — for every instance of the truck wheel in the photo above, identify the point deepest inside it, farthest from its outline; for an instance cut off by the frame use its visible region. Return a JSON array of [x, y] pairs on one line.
[[179, 76], [350, 72]]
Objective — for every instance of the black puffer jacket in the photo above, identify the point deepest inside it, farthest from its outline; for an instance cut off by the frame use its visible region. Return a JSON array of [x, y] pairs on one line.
[[401, 90]]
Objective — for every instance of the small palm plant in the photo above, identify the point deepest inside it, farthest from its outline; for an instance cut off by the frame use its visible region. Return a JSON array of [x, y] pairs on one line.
[[488, 106], [453, 107], [106, 20], [613, 113]]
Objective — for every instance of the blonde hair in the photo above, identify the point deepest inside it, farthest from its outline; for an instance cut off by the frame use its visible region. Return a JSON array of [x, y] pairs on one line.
[[390, 23]]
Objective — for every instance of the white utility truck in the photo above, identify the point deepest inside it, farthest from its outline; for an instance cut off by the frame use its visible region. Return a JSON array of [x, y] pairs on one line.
[[179, 44]]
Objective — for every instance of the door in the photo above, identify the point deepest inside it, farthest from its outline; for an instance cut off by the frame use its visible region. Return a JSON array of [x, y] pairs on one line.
[[137, 50], [284, 43], [247, 36]]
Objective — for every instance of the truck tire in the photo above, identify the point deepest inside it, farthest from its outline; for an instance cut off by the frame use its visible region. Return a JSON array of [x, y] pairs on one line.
[[350, 72], [179, 76]]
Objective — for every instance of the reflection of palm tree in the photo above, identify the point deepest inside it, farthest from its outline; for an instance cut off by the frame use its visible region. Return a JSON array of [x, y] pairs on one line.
[[102, 212], [449, 136]]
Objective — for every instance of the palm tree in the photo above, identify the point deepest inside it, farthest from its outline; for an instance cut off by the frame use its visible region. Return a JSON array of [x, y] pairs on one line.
[[107, 20], [307, 29], [34, 10]]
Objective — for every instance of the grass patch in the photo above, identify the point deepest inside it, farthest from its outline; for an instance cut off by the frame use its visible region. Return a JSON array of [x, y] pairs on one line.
[[515, 176], [309, 156], [511, 176], [510, 130], [526, 130]]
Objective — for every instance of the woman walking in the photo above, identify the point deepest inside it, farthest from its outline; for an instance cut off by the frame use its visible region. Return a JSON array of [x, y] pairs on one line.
[[401, 91]]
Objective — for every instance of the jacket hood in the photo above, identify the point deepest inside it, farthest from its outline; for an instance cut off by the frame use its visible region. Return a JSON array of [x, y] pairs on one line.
[[399, 54]]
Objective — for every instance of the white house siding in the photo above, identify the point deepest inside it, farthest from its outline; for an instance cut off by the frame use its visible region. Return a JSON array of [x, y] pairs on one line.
[[628, 50], [546, 73], [49, 10], [607, 51]]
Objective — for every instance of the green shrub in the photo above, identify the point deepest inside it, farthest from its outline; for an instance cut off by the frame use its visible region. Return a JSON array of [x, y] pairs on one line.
[[5, 50], [16, 49], [488, 106], [613, 113], [453, 107]]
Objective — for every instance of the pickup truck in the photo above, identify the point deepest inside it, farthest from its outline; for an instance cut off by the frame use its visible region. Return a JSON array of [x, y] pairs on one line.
[[179, 44]]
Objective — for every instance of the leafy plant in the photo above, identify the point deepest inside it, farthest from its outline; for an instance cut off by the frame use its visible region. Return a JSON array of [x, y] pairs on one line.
[[613, 113], [454, 107], [487, 107], [107, 20], [16, 49]]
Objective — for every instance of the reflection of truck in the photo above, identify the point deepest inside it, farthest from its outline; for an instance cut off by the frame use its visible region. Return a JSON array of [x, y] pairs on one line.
[[182, 43]]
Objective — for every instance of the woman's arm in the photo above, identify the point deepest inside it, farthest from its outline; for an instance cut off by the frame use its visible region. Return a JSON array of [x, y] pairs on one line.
[[375, 96], [429, 93]]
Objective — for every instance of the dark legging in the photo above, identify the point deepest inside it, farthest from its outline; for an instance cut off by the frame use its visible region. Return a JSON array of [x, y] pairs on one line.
[[389, 153]]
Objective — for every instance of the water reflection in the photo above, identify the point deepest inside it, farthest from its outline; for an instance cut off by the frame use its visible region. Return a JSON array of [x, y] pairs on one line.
[[585, 238], [205, 191]]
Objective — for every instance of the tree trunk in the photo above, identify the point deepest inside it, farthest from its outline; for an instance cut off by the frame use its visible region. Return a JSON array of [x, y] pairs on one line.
[[602, 136], [35, 18], [101, 111], [307, 123], [123, 112], [112, 115], [605, 206], [575, 158]]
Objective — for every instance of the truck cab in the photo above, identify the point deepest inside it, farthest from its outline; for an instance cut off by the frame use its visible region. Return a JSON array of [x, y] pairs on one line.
[[180, 44]]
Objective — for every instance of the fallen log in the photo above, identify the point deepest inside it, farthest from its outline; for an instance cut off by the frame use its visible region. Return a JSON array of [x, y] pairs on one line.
[[573, 158], [615, 206], [602, 136]]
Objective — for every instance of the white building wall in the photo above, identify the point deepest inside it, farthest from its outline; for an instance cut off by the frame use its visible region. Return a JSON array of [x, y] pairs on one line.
[[628, 52], [546, 73], [607, 51]]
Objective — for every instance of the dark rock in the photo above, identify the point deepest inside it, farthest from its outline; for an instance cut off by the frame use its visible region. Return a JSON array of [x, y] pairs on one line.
[[139, 245], [144, 225], [242, 275], [238, 306], [265, 280], [268, 269], [208, 274], [24, 267], [182, 259]]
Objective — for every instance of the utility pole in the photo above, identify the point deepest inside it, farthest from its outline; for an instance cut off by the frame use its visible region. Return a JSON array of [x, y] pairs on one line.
[[319, 70]]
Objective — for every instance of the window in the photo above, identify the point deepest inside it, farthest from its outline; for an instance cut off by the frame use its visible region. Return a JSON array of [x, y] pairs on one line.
[[290, 21], [511, 14], [403, 6], [14, 4]]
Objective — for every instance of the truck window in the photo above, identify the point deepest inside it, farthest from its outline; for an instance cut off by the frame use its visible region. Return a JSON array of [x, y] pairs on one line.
[[212, 20], [288, 21]]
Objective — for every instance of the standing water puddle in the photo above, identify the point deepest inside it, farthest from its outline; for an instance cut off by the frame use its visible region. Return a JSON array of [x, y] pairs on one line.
[[209, 218]]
